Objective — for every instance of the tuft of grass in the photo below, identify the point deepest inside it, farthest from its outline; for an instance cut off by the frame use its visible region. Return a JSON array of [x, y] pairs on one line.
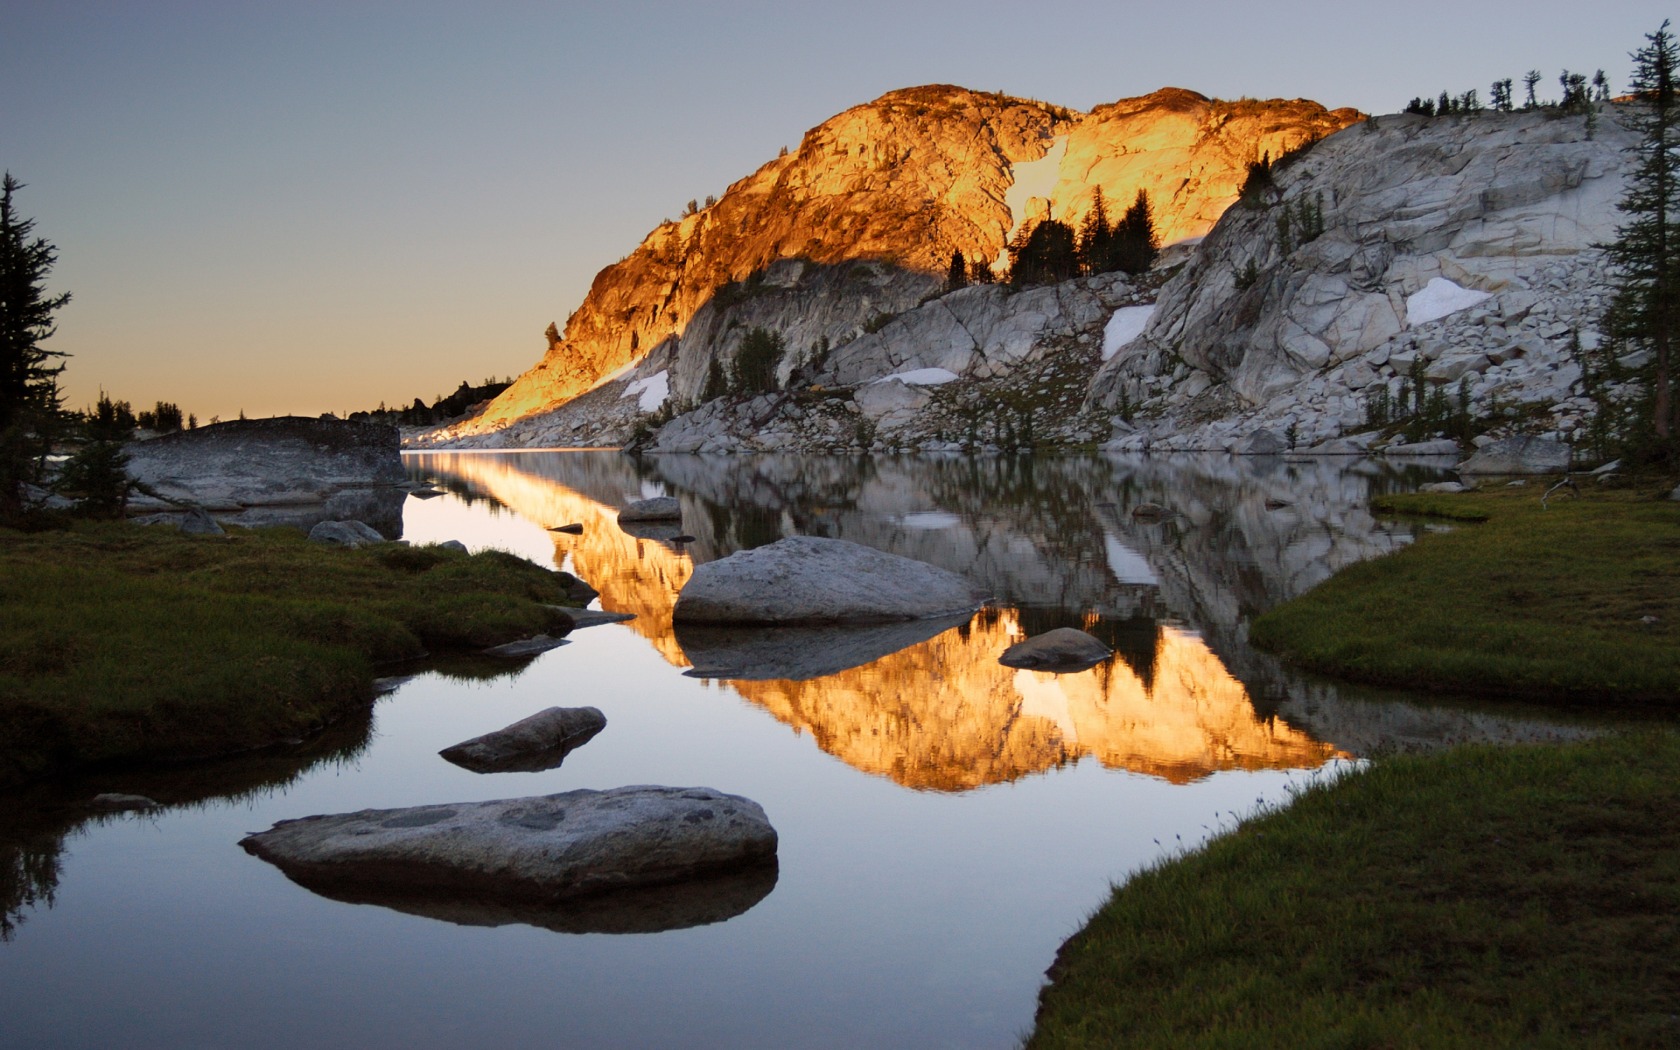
[[1525, 896], [1576, 603], [126, 643]]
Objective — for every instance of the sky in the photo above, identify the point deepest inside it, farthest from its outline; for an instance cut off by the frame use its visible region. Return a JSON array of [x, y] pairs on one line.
[[312, 207]]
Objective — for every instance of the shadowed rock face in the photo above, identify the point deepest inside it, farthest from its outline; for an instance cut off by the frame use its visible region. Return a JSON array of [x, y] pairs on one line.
[[545, 848]]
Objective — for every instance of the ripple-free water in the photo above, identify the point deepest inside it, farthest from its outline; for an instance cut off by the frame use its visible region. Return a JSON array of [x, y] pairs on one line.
[[944, 822]]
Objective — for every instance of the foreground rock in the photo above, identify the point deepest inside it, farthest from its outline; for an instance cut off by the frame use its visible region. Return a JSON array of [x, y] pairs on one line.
[[544, 849], [808, 580], [1518, 455], [1062, 650], [529, 745]]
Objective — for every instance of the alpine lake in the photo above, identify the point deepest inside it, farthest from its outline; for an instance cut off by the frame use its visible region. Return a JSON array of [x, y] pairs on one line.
[[945, 822]]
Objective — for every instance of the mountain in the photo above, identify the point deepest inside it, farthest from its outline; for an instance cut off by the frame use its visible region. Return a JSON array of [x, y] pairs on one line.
[[859, 224]]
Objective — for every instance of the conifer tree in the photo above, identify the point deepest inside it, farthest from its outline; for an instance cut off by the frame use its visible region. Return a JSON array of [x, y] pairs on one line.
[[957, 276], [1501, 96], [1136, 244], [29, 399], [1095, 236], [1530, 79], [1645, 311]]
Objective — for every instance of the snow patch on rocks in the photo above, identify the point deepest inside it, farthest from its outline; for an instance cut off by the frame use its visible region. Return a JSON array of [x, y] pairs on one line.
[[650, 393], [1439, 298], [1127, 324], [922, 377]]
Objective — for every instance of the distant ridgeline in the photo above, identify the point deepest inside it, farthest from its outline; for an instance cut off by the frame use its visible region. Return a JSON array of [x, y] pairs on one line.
[[442, 409]]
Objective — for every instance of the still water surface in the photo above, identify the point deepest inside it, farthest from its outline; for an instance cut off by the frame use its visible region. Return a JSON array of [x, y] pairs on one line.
[[944, 822]]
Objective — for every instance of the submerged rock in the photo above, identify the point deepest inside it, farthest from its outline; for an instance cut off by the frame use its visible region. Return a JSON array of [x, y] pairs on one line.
[[533, 646], [546, 848], [529, 745], [1062, 650], [115, 802], [809, 580]]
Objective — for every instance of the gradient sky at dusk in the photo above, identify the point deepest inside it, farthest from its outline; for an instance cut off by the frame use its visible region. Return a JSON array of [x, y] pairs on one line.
[[311, 207]]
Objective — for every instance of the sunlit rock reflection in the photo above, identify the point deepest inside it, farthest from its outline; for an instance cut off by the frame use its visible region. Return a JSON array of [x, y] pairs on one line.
[[935, 712], [945, 715]]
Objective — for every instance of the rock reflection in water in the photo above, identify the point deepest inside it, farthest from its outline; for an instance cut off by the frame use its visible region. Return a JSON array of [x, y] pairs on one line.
[[934, 712], [944, 715], [648, 909], [800, 653]]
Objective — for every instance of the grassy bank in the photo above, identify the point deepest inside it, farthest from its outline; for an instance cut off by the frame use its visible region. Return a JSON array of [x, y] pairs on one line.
[[1483, 897], [126, 643], [1579, 602]]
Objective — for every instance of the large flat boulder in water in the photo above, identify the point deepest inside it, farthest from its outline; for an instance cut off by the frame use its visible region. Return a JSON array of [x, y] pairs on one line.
[[543, 848], [812, 580], [529, 745]]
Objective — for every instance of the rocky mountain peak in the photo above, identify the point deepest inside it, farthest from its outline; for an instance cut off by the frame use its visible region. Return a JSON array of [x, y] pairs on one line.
[[903, 182]]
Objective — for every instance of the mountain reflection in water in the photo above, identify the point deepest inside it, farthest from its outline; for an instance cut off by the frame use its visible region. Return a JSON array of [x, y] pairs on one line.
[[940, 713]]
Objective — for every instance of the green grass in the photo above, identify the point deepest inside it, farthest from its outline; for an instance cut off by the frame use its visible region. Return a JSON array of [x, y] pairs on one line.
[[1524, 896], [1576, 603], [124, 643]]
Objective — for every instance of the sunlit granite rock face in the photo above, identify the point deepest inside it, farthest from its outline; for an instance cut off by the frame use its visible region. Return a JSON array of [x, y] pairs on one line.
[[862, 219]]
